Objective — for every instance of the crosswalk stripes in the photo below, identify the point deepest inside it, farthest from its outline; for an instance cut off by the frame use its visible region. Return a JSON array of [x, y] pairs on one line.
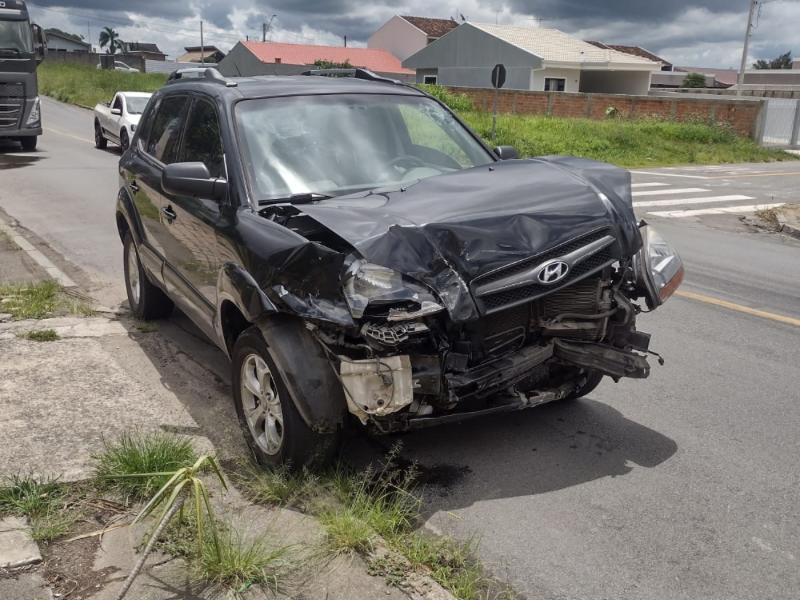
[[715, 211], [683, 202]]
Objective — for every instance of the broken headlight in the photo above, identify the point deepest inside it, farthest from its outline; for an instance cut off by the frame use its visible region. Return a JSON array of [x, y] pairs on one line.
[[659, 268], [367, 284]]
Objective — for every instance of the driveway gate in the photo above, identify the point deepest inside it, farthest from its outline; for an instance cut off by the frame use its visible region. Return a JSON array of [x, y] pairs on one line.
[[781, 123]]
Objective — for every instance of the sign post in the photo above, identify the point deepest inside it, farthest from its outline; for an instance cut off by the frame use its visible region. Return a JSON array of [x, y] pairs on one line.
[[498, 81]]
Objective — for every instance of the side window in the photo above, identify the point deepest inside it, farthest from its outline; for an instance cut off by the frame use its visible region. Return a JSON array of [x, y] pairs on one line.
[[202, 141], [165, 131], [117, 102]]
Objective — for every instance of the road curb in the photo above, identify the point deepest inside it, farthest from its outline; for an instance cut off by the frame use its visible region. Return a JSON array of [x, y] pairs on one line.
[[35, 255]]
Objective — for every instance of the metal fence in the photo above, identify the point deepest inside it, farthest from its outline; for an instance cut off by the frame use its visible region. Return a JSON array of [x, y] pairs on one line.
[[781, 125]]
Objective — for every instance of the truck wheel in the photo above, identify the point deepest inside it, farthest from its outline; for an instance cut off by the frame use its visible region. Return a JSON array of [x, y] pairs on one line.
[[29, 143], [124, 142], [99, 141], [275, 431], [147, 301], [593, 379]]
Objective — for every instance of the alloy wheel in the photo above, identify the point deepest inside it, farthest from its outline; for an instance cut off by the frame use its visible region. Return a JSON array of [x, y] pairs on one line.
[[261, 404], [133, 275]]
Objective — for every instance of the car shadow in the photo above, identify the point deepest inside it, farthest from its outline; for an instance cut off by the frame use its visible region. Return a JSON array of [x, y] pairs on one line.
[[525, 453], [531, 452]]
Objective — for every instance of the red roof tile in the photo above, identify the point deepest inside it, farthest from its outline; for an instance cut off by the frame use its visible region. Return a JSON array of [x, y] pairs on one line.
[[432, 27], [374, 59]]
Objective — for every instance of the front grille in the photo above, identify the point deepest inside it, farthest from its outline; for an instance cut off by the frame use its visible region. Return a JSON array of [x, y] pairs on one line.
[[12, 103], [513, 297]]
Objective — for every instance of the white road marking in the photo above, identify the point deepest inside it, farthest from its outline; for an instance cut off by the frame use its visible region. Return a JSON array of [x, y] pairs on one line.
[[669, 174], [44, 262], [677, 214], [651, 184], [669, 191], [702, 200], [69, 135]]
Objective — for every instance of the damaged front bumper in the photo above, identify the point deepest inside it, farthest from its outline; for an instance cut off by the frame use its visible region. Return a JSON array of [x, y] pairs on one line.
[[382, 390]]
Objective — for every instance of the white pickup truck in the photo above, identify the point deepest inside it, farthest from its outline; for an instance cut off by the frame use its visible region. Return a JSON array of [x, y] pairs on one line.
[[116, 120]]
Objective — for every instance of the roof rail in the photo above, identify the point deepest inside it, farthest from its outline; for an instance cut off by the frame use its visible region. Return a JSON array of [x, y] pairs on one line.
[[209, 73], [355, 72]]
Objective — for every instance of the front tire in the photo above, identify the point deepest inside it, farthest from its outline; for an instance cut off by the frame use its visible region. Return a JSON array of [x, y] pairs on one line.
[[100, 142], [276, 433], [147, 301], [124, 142], [29, 143], [593, 379]]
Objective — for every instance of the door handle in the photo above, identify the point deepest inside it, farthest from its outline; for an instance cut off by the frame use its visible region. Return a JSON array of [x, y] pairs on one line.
[[134, 187], [169, 213]]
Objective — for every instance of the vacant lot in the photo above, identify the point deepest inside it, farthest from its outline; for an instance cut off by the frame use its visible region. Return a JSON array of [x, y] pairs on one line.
[[86, 86]]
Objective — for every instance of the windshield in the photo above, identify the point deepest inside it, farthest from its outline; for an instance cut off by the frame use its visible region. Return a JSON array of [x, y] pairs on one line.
[[136, 104], [15, 38], [336, 144]]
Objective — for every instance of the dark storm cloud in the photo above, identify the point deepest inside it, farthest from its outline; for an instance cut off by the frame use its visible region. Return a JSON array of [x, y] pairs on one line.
[[117, 8], [331, 15], [584, 13]]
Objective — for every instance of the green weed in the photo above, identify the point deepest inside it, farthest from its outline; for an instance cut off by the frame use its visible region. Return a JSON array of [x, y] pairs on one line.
[[41, 335], [86, 86], [43, 501], [138, 453]]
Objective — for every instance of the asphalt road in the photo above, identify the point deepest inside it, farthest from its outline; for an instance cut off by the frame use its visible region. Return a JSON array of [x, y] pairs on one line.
[[682, 486]]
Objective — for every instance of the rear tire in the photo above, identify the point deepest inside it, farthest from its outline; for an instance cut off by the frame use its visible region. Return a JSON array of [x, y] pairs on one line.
[[593, 379], [100, 142], [147, 301], [29, 143], [276, 433]]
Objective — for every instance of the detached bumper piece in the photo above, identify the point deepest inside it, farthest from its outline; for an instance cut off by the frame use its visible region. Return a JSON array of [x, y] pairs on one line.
[[612, 361]]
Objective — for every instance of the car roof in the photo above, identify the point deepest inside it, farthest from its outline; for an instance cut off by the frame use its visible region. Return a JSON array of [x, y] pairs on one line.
[[268, 86]]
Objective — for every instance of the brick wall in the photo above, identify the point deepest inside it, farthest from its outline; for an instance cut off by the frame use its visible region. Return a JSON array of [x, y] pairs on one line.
[[742, 115]]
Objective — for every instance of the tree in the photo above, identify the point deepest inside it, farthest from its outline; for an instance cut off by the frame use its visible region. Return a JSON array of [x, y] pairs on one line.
[[109, 39], [694, 80], [784, 61]]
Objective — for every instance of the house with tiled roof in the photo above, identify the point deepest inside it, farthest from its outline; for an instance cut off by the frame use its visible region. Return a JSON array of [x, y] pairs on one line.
[[407, 35], [536, 58], [274, 58], [143, 49], [635, 51]]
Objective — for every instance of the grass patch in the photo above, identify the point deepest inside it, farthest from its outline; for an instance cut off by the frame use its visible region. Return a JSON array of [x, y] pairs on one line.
[[43, 501], [280, 486], [41, 335], [86, 86], [137, 453], [242, 563], [626, 143], [40, 301]]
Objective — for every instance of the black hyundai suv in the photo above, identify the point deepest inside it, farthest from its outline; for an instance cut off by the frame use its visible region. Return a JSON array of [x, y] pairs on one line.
[[362, 256]]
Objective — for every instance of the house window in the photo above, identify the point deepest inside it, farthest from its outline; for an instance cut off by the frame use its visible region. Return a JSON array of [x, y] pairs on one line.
[[429, 79], [554, 84]]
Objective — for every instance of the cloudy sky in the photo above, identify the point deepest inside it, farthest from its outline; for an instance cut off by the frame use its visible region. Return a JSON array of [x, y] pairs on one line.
[[686, 32]]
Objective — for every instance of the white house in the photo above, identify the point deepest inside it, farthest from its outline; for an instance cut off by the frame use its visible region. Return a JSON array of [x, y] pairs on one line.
[[536, 58], [58, 41], [404, 36]]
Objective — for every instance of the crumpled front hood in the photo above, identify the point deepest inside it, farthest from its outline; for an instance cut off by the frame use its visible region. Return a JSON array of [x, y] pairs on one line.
[[446, 230]]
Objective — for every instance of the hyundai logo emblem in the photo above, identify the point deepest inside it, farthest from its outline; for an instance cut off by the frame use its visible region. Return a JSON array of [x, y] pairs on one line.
[[553, 272]]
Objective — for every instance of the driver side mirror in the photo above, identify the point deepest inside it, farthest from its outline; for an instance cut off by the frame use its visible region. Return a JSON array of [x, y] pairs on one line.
[[192, 179], [506, 152], [116, 111], [39, 43]]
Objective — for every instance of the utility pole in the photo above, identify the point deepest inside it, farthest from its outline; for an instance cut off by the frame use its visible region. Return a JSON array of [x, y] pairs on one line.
[[263, 32], [345, 41], [202, 45], [747, 34]]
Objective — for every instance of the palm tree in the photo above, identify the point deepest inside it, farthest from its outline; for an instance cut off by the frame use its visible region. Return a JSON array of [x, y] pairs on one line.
[[110, 38]]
